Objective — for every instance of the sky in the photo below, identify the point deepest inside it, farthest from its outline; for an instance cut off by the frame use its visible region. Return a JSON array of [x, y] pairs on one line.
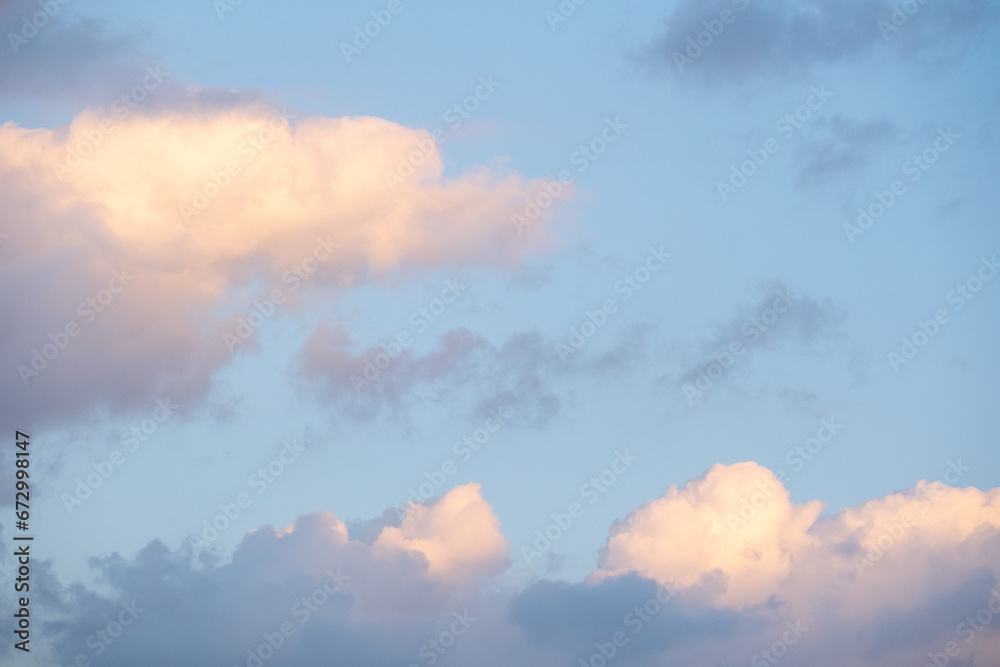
[[534, 333]]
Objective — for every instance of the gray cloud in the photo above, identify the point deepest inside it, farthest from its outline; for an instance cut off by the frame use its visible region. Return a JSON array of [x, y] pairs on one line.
[[196, 611], [521, 375], [75, 61], [933, 620], [763, 327], [567, 615], [769, 39], [847, 145]]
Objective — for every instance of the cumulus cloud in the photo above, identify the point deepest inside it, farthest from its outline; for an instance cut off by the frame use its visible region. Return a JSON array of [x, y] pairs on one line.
[[715, 572], [765, 39], [458, 535], [149, 232], [699, 535], [897, 545], [375, 603], [895, 577], [735, 533]]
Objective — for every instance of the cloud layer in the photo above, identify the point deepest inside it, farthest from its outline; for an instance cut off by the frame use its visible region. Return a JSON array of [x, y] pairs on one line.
[[724, 570]]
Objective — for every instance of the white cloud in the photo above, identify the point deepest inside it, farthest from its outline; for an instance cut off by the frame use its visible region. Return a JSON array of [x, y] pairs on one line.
[[736, 522]]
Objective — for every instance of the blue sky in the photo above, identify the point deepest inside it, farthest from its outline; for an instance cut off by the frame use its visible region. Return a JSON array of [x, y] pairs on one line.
[[728, 188]]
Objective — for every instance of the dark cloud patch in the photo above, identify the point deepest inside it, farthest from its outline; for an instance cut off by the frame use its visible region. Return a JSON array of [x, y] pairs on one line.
[[553, 612], [58, 59], [522, 375], [781, 316], [935, 619], [189, 612], [653, 618], [726, 41], [846, 145], [70, 65]]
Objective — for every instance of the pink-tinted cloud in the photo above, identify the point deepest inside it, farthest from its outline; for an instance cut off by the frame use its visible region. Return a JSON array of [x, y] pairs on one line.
[[885, 583], [458, 535], [193, 203], [735, 533], [736, 523]]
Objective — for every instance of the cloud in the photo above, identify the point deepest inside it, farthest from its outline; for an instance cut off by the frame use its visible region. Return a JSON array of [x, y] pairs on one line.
[[522, 375], [849, 144], [735, 533], [698, 536], [562, 613], [714, 572], [780, 316], [50, 56], [775, 39], [375, 604], [458, 535], [137, 239], [894, 578]]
